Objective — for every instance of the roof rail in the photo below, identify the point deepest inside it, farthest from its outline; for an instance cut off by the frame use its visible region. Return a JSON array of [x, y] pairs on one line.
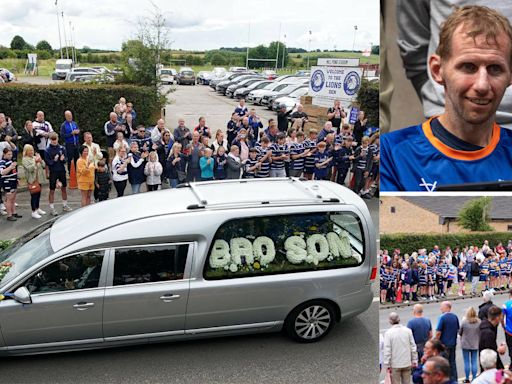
[[203, 202]]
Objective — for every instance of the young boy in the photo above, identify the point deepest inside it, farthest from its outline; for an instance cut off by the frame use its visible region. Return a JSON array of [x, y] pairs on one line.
[[298, 153], [102, 181], [206, 165], [342, 159], [309, 161], [9, 182], [264, 157], [362, 165], [252, 165], [322, 161], [280, 154]]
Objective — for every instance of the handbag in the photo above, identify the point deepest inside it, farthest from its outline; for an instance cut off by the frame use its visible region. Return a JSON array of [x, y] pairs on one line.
[[34, 187], [182, 176]]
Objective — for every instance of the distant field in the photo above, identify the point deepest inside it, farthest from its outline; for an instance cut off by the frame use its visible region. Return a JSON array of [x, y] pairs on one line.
[[297, 60]]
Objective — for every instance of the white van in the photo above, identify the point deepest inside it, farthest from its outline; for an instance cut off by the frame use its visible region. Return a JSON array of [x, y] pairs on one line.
[[206, 259], [62, 68]]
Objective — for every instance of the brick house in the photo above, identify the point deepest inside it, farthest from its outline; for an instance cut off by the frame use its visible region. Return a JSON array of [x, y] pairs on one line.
[[436, 214]]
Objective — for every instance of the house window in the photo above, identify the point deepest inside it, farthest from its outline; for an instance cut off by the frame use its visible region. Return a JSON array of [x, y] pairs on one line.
[[393, 210], [509, 228]]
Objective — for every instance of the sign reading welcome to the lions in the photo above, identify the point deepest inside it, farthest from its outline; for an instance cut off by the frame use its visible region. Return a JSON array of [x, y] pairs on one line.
[[335, 82]]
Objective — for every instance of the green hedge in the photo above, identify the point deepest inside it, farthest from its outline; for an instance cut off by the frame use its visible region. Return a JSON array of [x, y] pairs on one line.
[[408, 243], [90, 104]]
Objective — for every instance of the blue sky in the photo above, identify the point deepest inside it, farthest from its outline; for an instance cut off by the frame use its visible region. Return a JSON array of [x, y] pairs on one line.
[[197, 24]]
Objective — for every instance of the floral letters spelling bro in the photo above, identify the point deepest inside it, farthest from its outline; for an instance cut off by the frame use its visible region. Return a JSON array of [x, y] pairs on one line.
[[262, 251]]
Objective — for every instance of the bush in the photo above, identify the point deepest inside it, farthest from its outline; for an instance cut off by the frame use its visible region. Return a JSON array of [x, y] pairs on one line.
[[408, 243], [4, 244], [368, 97], [90, 104], [475, 215]]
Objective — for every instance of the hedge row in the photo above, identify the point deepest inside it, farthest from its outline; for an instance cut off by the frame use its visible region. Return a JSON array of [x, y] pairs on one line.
[[411, 243], [90, 104]]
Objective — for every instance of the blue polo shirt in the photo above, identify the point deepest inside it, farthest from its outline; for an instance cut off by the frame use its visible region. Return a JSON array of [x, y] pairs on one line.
[[449, 327], [420, 328]]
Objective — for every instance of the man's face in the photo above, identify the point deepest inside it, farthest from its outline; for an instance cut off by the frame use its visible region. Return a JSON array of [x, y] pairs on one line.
[[429, 376], [475, 76], [40, 117], [88, 138], [181, 123], [245, 121], [68, 116]]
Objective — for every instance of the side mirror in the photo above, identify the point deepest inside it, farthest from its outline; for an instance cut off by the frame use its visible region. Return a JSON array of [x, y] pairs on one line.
[[22, 295]]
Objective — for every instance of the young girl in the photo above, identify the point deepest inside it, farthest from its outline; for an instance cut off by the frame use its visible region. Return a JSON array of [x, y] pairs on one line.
[[153, 170], [9, 179], [206, 164], [219, 171]]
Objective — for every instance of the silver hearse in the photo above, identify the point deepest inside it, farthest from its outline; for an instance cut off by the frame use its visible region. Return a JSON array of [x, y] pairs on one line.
[[207, 259]]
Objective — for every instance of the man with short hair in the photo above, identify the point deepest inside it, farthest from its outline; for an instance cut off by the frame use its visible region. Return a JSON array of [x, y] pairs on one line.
[[55, 158], [111, 128], [447, 331], [196, 151], [336, 114], [326, 130], [241, 109], [488, 361], [309, 161], [142, 139], [272, 131], [437, 371], [7, 131], [282, 119], [182, 134], [421, 328], [42, 128], [232, 127], [202, 128], [400, 354], [489, 332], [70, 132], [484, 307], [299, 114], [464, 144], [158, 131], [255, 124]]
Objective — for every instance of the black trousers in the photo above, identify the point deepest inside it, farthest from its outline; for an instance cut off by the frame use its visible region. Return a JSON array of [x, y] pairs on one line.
[[72, 154], [120, 187]]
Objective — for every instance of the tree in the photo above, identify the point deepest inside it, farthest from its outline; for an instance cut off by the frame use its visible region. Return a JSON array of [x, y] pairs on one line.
[[375, 50], [475, 215], [368, 98], [18, 42], [43, 45]]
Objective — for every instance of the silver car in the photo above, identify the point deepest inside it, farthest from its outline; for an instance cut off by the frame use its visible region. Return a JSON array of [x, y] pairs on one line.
[[206, 259]]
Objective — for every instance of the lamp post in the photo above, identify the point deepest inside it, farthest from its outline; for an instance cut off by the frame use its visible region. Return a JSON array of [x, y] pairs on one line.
[[354, 42], [65, 39], [284, 52], [309, 48], [58, 27]]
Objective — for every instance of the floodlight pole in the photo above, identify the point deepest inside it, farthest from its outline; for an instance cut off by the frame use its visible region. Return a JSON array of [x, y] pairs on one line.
[[65, 39], [58, 27]]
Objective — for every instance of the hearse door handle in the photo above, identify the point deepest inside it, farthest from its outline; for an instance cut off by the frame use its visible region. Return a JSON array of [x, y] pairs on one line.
[[169, 297], [83, 306]]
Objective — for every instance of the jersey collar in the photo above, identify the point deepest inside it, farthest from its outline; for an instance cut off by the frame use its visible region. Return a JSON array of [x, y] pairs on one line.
[[458, 154]]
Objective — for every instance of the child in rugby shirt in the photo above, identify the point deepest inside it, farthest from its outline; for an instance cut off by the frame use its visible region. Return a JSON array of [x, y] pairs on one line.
[[219, 171], [9, 181], [264, 157], [298, 153], [342, 159], [431, 276], [322, 162], [309, 161], [484, 273], [422, 277], [252, 165], [280, 153]]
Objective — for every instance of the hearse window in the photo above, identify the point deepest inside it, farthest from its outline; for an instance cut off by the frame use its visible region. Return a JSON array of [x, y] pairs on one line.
[[70, 273], [149, 264], [286, 243]]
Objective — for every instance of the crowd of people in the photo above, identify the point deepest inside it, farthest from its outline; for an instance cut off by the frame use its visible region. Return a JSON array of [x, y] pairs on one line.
[[156, 156], [406, 350], [429, 275]]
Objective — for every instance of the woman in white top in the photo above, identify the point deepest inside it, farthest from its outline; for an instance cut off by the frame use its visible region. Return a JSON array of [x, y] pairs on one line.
[[219, 141], [120, 170]]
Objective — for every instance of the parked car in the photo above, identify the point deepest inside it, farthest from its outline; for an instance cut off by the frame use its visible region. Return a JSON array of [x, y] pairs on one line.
[[204, 77], [303, 73], [81, 72], [244, 91], [290, 100], [237, 69], [186, 76], [6, 75], [223, 85], [218, 71], [233, 265], [230, 91], [265, 100], [256, 95], [269, 74], [168, 75], [217, 79], [62, 68]]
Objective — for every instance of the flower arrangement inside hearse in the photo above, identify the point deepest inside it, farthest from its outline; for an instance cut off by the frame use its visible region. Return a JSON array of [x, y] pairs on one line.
[[296, 252]]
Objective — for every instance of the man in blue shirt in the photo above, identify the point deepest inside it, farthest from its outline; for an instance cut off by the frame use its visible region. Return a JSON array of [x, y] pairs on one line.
[[421, 328], [70, 132], [506, 322], [446, 331], [464, 144]]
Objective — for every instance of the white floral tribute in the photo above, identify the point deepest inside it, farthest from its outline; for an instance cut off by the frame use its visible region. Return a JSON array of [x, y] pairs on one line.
[[262, 251]]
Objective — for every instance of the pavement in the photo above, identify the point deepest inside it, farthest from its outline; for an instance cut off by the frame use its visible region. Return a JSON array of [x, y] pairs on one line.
[[348, 355], [432, 312]]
